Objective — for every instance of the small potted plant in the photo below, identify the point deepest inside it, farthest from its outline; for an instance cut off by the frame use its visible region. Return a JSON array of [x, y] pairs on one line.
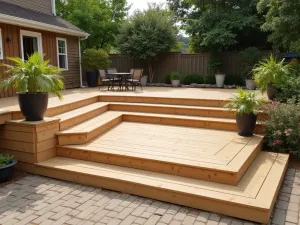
[[7, 164], [33, 79], [246, 106], [268, 74], [249, 58], [94, 60], [175, 79], [215, 63]]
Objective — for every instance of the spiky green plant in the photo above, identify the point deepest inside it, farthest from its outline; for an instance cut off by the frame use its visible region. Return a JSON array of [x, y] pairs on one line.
[[270, 71], [34, 75], [246, 102], [5, 159]]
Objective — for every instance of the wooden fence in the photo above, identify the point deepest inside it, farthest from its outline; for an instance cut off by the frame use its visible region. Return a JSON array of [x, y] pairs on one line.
[[180, 62]]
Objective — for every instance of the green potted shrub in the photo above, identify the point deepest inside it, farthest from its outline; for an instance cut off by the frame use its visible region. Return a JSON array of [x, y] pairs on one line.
[[33, 79], [215, 63], [249, 58], [94, 60], [175, 79], [246, 106], [269, 73], [7, 164]]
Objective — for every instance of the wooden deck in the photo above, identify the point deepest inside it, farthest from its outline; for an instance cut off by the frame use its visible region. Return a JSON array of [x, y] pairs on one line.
[[175, 145]]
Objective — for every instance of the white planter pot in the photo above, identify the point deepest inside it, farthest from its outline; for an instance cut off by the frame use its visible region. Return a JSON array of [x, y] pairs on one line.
[[250, 85], [220, 78], [144, 80], [175, 83]]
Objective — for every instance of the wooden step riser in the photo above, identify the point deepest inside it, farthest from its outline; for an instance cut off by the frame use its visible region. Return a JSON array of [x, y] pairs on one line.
[[63, 125], [218, 125], [204, 203], [173, 110], [82, 138], [151, 165], [168, 101]]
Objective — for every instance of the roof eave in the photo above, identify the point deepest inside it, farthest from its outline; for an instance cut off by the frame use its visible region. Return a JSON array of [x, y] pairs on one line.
[[41, 26]]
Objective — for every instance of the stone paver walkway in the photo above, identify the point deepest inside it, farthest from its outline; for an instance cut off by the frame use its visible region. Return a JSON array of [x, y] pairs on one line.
[[41, 200]]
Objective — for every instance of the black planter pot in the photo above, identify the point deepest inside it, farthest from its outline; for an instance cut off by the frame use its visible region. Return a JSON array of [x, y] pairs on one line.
[[246, 124], [92, 79], [6, 172], [33, 105], [271, 91]]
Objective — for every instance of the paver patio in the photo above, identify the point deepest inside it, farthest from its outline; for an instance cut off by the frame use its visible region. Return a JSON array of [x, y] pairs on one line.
[[40, 200]]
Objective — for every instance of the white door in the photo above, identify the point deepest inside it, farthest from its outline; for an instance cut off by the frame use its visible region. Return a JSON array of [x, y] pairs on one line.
[[30, 42]]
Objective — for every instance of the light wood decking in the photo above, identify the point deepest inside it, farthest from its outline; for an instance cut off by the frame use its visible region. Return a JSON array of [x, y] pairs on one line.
[[180, 147]]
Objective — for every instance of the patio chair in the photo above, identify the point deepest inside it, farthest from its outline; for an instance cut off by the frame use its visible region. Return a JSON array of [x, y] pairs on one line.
[[103, 79], [136, 78], [113, 79]]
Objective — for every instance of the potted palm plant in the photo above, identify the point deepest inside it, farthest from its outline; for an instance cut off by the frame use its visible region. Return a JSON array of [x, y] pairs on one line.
[[175, 79], [215, 63], [94, 60], [269, 73], [248, 59], [7, 164], [33, 79], [246, 106]]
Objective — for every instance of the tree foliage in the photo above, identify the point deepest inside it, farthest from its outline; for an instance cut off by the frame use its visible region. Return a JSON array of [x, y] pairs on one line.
[[147, 34], [100, 18], [95, 59], [283, 21], [220, 24]]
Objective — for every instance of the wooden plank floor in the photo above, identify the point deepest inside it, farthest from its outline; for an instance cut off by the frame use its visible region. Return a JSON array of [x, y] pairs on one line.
[[220, 156], [252, 199]]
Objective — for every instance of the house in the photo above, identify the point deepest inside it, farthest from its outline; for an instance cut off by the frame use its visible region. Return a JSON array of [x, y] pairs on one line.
[[27, 26]]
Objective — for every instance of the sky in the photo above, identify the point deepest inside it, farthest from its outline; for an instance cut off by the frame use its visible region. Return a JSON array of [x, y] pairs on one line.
[[142, 4]]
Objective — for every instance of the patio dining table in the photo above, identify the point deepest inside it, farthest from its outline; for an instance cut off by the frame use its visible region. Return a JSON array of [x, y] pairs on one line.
[[121, 78]]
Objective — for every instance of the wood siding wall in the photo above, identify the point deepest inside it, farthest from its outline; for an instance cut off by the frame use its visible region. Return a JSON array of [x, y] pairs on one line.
[[179, 62], [44, 6], [13, 49]]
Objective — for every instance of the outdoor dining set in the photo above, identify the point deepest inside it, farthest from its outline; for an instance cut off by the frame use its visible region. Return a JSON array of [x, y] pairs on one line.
[[120, 80]]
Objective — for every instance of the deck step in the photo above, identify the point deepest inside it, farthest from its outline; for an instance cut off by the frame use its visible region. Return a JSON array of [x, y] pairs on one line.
[[252, 199], [86, 131], [218, 156], [79, 115]]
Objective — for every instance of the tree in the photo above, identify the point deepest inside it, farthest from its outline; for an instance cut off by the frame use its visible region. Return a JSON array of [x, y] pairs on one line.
[[100, 18], [220, 25], [147, 34], [283, 21]]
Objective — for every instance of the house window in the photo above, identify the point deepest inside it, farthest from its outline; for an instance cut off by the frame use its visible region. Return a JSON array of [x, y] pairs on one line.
[[1, 45], [62, 55], [31, 42]]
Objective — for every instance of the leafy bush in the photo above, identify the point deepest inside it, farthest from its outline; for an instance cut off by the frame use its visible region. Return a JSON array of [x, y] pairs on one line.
[[232, 79], [269, 71], [168, 78], [5, 160], [245, 102], [95, 59], [34, 75], [283, 128], [192, 78], [210, 80], [175, 76], [248, 59]]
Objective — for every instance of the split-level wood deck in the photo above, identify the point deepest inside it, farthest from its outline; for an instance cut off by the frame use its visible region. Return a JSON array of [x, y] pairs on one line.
[[179, 147]]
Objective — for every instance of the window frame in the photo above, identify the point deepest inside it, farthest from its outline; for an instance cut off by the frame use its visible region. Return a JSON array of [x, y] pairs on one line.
[[66, 54], [31, 34], [1, 45]]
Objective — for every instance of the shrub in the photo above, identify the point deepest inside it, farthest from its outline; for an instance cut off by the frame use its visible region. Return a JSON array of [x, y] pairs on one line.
[[168, 78], [245, 102], [248, 58], [232, 79], [215, 62], [283, 128], [95, 59], [175, 76], [192, 78], [210, 80], [5, 160]]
